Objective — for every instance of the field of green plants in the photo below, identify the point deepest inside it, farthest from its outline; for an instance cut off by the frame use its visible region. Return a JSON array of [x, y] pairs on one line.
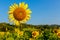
[[29, 32]]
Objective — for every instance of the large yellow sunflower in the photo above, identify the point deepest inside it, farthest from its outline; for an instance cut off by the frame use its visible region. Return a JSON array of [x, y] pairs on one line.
[[19, 13]]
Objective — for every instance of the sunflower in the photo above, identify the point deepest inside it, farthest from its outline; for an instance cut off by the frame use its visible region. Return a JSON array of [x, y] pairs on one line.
[[35, 34], [31, 39], [58, 34], [19, 13], [55, 30], [7, 33], [21, 33], [18, 31], [2, 33]]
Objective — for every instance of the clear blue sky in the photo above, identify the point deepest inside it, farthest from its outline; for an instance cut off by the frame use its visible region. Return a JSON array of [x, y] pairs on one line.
[[43, 11]]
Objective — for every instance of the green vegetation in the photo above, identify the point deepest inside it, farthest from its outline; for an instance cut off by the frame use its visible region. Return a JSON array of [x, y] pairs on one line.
[[24, 32]]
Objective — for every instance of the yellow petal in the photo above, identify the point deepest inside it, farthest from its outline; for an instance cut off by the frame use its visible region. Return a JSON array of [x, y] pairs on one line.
[[11, 16], [25, 6], [12, 19], [16, 23], [24, 21], [10, 12], [21, 4], [16, 6], [28, 11], [10, 7], [13, 6], [27, 18]]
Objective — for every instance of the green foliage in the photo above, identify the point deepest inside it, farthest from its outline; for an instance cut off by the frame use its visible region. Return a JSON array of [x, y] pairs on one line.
[[27, 34], [10, 38], [45, 32]]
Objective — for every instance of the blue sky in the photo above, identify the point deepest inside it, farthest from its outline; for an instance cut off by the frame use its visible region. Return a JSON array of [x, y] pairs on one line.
[[43, 11]]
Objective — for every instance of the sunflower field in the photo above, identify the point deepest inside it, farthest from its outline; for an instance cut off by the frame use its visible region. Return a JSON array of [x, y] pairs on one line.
[[18, 29], [29, 32]]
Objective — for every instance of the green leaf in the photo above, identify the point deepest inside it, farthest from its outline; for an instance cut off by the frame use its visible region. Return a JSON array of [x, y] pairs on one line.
[[10, 38]]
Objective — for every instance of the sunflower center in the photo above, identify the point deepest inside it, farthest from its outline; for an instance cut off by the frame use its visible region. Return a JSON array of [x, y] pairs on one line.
[[34, 34], [55, 31], [19, 14], [58, 34]]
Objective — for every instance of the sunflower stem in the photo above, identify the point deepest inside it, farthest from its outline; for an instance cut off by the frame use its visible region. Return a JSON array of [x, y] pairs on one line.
[[20, 26]]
